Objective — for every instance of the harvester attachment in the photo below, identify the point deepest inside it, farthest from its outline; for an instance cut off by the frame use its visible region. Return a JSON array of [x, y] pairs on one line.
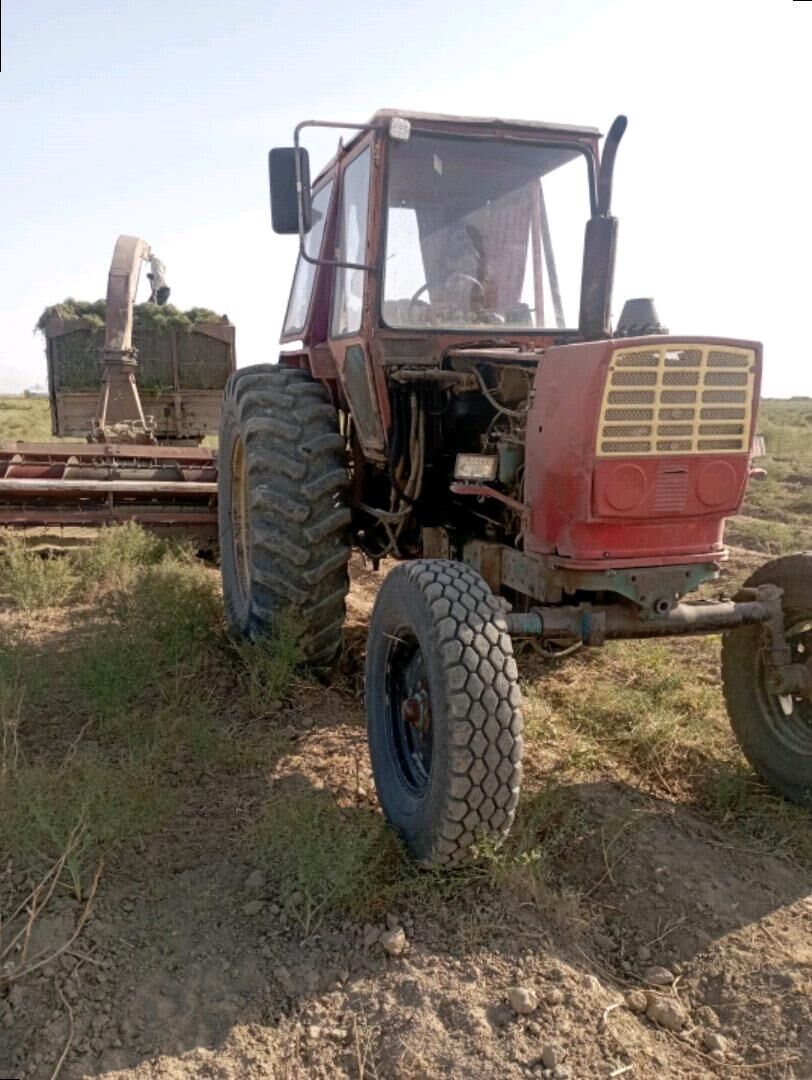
[[120, 414], [136, 464]]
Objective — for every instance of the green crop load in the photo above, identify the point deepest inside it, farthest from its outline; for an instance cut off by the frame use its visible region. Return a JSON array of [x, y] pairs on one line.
[[74, 330]]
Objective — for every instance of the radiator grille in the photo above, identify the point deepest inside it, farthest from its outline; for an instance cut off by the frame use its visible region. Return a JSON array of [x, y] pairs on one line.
[[660, 400]]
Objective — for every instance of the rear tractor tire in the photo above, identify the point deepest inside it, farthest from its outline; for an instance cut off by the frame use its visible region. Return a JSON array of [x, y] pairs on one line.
[[284, 530], [443, 710], [775, 733]]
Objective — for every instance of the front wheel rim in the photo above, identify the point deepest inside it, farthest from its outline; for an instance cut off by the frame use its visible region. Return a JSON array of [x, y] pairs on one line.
[[408, 712], [792, 728]]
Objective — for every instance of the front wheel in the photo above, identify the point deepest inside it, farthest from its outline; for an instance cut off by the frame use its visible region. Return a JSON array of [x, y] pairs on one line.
[[443, 709], [774, 731]]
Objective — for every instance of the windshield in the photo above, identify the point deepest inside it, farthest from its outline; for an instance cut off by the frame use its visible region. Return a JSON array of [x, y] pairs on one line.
[[484, 234]]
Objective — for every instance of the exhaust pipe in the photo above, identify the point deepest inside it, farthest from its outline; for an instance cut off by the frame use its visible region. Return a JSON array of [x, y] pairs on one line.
[[600, 241]]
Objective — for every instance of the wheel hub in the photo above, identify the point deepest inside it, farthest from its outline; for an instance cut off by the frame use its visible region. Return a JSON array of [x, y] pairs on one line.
[[416, 710]]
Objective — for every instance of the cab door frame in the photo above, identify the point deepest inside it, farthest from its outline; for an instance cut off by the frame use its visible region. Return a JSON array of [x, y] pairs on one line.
[[362, 381]]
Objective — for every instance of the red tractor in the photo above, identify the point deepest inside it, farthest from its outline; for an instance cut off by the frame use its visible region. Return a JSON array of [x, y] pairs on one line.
[[453, 395]]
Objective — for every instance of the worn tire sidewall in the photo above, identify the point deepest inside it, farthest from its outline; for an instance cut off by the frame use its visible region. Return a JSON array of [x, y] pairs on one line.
[[238, 614], [401, 605], [784, 770]]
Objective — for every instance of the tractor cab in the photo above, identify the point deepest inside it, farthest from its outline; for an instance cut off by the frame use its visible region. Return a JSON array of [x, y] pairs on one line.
[[442, 224], [430, 233]]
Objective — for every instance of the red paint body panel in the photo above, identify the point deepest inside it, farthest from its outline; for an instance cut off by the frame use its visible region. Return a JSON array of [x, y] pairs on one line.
[[670, 508]]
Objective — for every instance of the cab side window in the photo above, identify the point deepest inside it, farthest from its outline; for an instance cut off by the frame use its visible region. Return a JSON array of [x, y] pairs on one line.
[[348, 295], [302, 290]]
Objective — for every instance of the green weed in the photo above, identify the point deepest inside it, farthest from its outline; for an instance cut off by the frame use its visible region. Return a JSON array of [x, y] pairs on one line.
[[738, 799], [30, 581], [777, 508], [110, 804], [115, 553], [326, 858], [154, 643], [267, 667], [548, 825]]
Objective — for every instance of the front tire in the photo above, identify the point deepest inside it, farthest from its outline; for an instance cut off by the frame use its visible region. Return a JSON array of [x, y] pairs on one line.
[[775, 734], [284, 530], [443, 709]]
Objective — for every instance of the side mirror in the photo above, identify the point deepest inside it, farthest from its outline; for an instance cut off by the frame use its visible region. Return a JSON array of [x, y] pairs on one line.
[[289, 170]]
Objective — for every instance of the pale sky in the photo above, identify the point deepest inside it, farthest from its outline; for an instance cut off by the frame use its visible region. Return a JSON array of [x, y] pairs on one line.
[[155, 119]]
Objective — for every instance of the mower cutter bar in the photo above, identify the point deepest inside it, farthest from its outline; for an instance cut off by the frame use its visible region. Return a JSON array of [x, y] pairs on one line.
[[104, 514], [100, 483], [60, 451], [101, 487]]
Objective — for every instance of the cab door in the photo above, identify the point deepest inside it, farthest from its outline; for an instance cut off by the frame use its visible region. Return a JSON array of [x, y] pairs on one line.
[[350, 323]]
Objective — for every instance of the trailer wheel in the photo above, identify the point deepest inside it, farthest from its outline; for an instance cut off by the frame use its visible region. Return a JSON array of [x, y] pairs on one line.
[[443, 709], [775, 733], [284, 531]]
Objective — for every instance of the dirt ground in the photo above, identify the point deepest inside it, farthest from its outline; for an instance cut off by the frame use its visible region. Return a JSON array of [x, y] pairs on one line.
[[661, 945]]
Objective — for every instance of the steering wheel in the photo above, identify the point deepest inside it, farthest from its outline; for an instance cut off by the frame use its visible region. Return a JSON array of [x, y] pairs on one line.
[[455, 275]]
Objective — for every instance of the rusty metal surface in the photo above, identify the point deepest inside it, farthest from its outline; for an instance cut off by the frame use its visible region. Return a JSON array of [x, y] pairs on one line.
[[77, 488], [480, 491], [112, 513], [759, 606], [56, 451], [493, 126], [119, 407], [122, 283], [486, 559], [63, 475], [547, 579], [593, 625], [97, 484], [382, 116]]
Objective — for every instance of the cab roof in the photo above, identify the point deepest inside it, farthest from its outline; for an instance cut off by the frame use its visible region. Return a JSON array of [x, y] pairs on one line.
[[446, 121], [382, 117]]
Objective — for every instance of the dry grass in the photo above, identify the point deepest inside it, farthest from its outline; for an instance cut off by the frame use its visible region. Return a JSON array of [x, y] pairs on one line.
[[30, 580], [98, 712], [652, 714]]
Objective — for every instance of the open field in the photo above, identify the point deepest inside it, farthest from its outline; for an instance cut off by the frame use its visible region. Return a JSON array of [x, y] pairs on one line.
[[195, 875], [25, 418], [777, 515]]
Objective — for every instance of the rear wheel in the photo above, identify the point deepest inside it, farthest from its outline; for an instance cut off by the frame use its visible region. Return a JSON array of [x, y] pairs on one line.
[[443, 709], [284, 531], [774, 731]]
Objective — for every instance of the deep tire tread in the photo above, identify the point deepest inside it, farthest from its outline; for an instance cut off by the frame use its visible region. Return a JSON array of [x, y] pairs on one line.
[[297, 470], [478, 685]]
